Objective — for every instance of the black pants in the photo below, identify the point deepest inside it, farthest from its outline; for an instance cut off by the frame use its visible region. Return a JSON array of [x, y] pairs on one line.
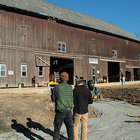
[[66, 117]]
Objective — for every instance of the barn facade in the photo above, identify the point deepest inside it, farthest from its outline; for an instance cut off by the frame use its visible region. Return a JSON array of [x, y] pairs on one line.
[[39, 40]]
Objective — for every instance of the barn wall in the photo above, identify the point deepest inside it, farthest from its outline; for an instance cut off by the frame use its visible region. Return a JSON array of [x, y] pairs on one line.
[[22, 36], [13, 59], [44, 34]]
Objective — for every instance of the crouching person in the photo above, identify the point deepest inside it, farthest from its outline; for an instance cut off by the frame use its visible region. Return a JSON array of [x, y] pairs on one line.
[[62, 95], [91, 86], [82, 97]]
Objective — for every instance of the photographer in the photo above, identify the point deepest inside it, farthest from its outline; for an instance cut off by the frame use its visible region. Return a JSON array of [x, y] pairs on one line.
[[91, 85]]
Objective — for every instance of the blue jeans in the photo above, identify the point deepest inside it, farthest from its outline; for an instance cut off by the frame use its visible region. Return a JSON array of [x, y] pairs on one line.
[[60, 117]]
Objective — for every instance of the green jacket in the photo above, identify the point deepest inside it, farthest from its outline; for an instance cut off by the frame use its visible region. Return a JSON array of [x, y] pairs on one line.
[[65, 96]]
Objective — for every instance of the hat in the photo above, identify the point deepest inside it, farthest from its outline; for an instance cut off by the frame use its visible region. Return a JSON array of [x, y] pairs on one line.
[[64, 76], [79, 81]]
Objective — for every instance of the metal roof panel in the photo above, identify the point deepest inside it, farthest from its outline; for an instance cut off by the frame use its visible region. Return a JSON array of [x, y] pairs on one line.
[[47, 9]]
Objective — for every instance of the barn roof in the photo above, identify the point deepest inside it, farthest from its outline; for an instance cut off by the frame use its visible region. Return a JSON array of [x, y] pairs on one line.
[[59, 13]]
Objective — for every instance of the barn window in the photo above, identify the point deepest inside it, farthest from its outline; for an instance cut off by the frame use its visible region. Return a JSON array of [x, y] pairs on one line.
[[23, 70], [61, 47], [40, 71], [114, 53], [93, 71], [2, 70]]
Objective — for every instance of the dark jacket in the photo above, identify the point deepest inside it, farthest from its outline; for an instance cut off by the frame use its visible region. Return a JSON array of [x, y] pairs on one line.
[[82, 97]]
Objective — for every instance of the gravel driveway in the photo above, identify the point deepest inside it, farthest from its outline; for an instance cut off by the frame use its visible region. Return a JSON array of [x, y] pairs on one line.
[[118, 121]]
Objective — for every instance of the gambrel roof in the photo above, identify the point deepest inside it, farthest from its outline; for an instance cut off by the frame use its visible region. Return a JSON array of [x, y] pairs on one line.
[[43, 8]]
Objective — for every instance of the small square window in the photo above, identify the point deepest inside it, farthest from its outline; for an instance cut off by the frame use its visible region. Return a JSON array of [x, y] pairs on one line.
[[61, 47], [114, 53], [2, 70], [23, 70]]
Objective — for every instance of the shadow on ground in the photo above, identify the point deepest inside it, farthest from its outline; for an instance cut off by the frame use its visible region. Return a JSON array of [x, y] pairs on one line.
[[26, 131]]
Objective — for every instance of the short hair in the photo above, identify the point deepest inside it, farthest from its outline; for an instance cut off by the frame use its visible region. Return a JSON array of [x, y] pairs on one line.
[[64, 76]]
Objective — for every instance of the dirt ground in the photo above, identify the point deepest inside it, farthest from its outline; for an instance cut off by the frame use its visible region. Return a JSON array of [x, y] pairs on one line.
[[34, 105], [129, 93], [24, 105]]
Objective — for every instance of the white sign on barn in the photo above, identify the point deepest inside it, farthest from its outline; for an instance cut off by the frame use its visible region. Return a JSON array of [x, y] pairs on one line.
[[93, 61]]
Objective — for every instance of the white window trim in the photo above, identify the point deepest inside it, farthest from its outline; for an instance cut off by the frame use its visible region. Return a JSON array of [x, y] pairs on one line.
[[22, 71], [116, 53], [5, 70], [42, 72]]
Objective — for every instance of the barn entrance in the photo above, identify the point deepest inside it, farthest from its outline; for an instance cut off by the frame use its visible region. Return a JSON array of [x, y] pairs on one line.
[[58, 65], [136, 74], [128, 76], [113, 71]]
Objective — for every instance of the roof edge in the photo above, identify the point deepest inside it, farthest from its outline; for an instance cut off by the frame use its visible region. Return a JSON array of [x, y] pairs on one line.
[[38, 15]]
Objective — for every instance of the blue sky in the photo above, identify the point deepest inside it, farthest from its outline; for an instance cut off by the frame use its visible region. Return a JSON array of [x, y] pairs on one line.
[[124, 13]]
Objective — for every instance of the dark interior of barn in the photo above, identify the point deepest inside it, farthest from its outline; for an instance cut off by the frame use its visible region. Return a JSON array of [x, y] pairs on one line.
[[136, 74], [128, 76], [58, 65], [113, 72]]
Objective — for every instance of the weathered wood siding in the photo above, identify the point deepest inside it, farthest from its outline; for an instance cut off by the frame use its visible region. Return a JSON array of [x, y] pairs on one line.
[[44, 34], [14, 59], [21, 36]]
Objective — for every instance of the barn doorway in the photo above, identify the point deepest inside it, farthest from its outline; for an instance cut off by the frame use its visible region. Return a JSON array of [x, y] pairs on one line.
[[128, 76], [136, 74], [113, 71], [58, 65]]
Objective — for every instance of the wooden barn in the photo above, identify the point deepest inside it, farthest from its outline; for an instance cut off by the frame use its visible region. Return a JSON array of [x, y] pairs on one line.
[[39, 40]]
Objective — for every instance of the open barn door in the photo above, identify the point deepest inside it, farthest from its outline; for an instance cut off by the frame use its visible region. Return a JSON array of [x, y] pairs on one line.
[[58, 65], [113, 71], [136, 74]]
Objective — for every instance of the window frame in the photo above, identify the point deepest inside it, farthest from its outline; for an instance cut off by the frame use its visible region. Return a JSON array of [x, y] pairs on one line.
[[1, 70], [23, 71], [41, 71], [115, 52], [61, 47]]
